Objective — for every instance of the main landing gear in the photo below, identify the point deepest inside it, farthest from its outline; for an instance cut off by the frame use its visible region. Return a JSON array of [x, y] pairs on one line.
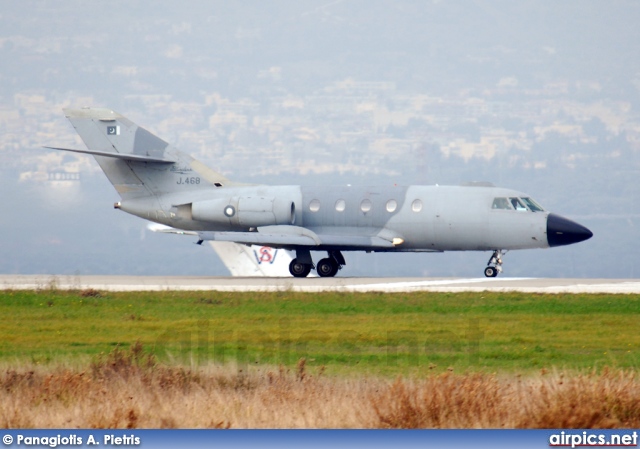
[[327, 267], [494, 266], [301, 266], [299, 269]]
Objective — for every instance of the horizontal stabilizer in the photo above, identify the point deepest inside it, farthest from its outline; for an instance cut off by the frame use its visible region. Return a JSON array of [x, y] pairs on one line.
[[123, 156]]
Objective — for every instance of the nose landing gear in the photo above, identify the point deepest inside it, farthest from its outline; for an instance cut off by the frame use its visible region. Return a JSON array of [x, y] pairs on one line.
[[494, 266]]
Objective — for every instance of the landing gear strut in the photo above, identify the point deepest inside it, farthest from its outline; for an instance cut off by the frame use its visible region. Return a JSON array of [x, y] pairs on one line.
[[301, 266], [494, 266]]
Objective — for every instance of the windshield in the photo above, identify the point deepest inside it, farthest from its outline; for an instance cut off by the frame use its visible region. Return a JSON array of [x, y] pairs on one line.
[[523, 204], [501, 203], [517, 204], [532, 205]]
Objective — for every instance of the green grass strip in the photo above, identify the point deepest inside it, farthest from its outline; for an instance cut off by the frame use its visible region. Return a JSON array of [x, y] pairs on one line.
[[375, 333]]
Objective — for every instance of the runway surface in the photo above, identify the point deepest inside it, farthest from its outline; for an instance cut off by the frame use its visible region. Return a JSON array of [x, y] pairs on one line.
[[261, 284]]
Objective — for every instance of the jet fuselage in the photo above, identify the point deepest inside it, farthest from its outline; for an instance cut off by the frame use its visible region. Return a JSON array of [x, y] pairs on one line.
[[426, 218]]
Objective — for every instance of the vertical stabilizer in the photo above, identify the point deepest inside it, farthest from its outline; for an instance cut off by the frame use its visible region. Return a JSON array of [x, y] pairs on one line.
[[137, 162], [255, 260]]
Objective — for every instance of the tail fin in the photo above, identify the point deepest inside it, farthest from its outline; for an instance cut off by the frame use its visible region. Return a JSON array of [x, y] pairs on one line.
[[242, 260], [137, 162]]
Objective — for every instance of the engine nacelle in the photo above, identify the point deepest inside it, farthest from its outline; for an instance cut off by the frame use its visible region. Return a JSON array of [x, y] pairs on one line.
[[245, 212]]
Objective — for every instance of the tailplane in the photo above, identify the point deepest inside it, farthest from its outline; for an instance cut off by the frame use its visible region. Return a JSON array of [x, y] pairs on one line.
[[137, 162]]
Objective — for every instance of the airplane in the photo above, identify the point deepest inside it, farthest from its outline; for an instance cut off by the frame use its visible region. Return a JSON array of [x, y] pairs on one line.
[[159, 183]]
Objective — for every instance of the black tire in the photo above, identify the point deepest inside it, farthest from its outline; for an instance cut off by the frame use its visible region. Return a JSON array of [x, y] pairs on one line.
[[299, 270], [490, 272], [327, 268]]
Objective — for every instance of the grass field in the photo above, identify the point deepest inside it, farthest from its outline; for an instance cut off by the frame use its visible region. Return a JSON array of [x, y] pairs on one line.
[[192, 359], [129, 389], [381, 334]]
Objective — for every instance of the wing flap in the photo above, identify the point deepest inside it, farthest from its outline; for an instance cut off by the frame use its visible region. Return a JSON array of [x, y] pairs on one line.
[[259, 238], [362, 241]]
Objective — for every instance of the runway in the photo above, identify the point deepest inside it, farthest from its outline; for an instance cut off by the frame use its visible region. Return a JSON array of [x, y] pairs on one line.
[[262, 284]]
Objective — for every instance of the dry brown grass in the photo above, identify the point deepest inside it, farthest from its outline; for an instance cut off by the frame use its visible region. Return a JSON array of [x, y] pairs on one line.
[[128, 389], [610, 399]]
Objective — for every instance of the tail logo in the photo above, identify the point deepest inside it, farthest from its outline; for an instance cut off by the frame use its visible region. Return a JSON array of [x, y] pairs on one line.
[[267, 255], [113, 130]]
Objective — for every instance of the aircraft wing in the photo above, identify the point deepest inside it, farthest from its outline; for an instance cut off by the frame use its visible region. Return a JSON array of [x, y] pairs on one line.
[[247, 238], [290, 236], [258, 238]]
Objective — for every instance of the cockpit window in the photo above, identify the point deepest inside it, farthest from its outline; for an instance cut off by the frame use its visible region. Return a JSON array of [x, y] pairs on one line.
[[535, 207], [517, 204], [520, 204], [501, 203]]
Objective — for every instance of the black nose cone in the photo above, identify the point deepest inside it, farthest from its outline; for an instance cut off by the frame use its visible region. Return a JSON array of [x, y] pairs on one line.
[[562, 231]]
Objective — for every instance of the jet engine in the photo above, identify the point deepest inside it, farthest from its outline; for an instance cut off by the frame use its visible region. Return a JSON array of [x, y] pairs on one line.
[[245, 212]]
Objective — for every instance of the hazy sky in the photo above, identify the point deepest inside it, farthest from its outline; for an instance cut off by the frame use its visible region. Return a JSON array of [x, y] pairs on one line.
[[541, 96]]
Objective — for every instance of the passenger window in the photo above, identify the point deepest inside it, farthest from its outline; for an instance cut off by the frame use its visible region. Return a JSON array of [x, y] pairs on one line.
[[314, 205], [517, 204], [392, 205], [535, 207], [501, 203], [416, 206], [365, 205], [341, 205]]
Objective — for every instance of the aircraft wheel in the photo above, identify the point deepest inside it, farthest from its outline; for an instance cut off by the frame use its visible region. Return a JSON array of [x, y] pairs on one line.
[[490, 272], [299, 270], [327, 268]]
